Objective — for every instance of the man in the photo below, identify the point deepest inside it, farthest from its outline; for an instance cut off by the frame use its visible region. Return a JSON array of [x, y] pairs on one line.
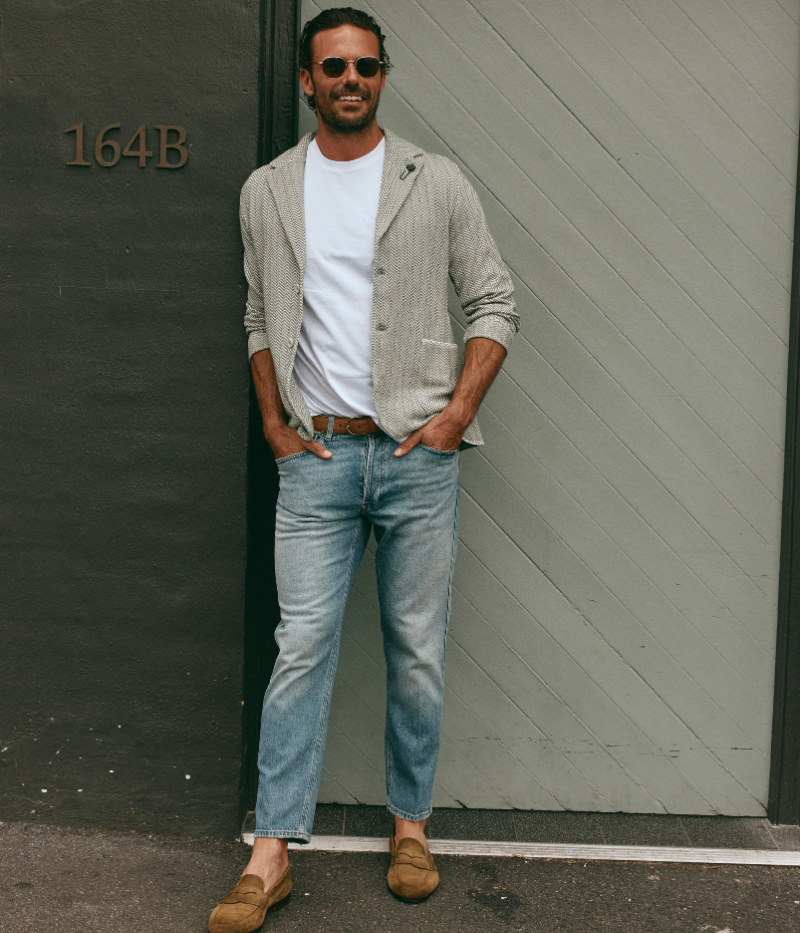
[[349, 239]]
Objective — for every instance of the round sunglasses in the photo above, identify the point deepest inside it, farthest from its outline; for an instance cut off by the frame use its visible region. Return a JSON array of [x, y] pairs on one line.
[[335, 67]]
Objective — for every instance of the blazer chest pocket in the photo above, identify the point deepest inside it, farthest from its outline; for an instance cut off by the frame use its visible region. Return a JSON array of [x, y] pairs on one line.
[[439, 369]]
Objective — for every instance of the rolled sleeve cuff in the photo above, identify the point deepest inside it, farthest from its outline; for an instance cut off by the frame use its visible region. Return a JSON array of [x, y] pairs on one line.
[[256, 342], [494, 328]]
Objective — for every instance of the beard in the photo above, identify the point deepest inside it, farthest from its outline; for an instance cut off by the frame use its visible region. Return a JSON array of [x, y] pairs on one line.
[[347, 123]]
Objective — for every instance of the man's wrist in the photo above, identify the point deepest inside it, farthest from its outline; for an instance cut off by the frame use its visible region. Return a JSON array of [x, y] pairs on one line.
[[458, 415], [274, 425]]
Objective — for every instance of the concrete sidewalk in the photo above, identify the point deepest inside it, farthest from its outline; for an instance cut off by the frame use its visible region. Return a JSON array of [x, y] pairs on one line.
[[57, 880]]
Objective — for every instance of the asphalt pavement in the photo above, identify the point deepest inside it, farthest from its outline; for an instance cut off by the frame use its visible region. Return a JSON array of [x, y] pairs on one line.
[[58, 880]]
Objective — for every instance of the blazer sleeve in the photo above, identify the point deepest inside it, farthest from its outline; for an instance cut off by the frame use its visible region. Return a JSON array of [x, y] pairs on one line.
[[481, 279], [255, 321]]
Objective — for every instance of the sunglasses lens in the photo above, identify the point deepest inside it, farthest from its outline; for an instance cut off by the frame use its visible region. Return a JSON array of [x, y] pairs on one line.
[[333, 67], [368, 67]]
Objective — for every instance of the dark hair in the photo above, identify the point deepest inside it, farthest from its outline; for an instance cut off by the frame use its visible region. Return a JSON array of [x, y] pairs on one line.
[[332, 19]]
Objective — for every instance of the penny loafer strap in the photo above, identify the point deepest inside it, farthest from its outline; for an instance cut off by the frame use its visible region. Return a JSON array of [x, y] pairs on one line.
[[246, 897], [248, 890], [405, 858]]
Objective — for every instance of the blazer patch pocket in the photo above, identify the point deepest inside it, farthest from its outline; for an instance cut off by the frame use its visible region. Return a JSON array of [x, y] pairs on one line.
[[440, 367]]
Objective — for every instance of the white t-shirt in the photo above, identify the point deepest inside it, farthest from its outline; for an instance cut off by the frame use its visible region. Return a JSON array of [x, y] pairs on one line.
[[333, 365]]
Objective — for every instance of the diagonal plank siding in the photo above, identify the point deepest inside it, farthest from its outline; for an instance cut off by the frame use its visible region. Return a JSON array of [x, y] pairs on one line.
[[614, 606]]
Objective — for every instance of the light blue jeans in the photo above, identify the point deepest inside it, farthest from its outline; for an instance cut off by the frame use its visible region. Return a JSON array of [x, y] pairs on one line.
[[326, 509]]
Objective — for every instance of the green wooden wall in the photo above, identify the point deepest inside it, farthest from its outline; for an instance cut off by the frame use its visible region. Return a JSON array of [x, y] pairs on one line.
[[613, 633]]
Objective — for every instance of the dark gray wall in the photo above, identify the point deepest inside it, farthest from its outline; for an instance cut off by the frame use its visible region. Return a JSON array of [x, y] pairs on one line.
[[123, 414]]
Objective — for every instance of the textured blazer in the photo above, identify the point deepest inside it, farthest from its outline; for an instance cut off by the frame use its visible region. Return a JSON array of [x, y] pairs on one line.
[[429, 225]]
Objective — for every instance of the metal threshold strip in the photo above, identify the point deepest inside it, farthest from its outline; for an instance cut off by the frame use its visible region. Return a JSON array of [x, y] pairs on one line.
[[546, 850]]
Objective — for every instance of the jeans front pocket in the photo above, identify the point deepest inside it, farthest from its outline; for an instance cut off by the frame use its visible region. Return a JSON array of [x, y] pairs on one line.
[[286, 459], [438, 451]]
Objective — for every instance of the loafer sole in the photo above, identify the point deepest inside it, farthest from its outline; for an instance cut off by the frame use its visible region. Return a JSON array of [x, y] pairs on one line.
[[412, 900]]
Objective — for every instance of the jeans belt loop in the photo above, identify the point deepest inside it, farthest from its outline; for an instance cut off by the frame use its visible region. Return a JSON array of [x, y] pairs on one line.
[[329, 435]]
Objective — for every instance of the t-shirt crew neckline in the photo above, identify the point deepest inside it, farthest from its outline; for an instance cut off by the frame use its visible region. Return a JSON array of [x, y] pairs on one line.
[[349, 165]]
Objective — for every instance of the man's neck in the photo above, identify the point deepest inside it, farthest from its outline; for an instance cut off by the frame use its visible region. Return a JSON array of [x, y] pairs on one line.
[[344, 147]]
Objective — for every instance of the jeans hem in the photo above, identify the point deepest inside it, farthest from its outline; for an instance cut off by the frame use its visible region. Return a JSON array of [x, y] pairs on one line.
[[411, 817], [283, 834]]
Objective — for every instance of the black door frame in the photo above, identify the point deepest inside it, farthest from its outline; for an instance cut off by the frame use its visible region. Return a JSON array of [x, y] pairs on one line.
[[279, 98], [784, 783]]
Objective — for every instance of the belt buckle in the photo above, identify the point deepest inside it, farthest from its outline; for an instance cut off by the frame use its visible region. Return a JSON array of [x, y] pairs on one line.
[[347, 427]]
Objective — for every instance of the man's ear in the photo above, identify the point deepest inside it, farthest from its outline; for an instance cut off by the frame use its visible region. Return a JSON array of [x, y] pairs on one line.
[[306, 82]]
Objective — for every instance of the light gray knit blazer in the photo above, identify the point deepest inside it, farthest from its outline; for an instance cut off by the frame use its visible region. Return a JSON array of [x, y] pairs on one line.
[[429, 225]]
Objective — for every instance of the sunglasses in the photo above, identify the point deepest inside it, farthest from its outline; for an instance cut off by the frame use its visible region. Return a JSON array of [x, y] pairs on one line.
[[335, 67]]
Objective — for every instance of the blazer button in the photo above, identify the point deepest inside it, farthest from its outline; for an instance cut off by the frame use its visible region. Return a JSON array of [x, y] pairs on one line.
[[297, 289], [381, 326], [289, 343]]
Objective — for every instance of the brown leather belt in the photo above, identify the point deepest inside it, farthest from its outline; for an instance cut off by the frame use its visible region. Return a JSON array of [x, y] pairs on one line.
[[346, 425]]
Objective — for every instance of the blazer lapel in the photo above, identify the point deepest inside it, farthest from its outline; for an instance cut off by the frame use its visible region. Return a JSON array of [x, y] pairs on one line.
[[286, 182], [287, 176], [396, 181]]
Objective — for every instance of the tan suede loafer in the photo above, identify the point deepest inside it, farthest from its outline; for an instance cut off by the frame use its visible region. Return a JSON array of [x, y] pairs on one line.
[[412, 874], [244, 908]]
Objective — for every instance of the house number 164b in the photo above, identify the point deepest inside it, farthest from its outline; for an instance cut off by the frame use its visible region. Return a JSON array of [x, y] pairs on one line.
[[107, 151]]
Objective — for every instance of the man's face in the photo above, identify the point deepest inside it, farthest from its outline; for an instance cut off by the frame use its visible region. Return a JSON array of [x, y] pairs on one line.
[[347, 103]]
